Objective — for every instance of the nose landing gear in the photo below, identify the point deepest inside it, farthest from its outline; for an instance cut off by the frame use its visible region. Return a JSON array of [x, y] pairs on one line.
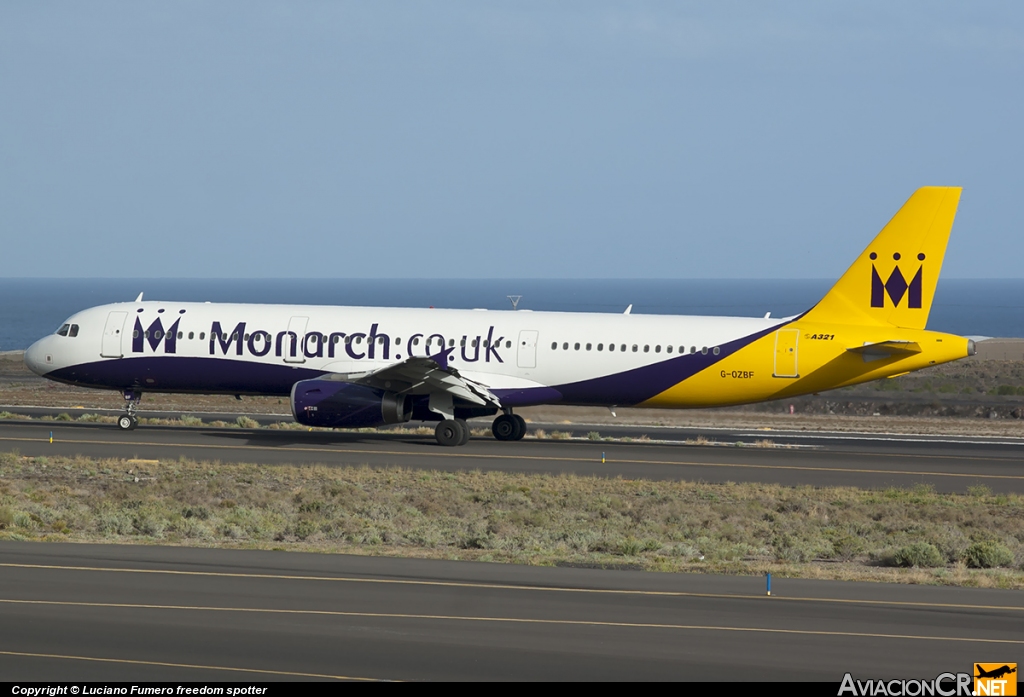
[[129, 421]]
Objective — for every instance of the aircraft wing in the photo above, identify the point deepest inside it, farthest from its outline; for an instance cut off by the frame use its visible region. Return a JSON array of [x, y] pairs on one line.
[[888, 348], [424, 375]]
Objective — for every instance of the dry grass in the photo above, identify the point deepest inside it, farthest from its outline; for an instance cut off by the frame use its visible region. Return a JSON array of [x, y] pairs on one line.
[[523, 518]]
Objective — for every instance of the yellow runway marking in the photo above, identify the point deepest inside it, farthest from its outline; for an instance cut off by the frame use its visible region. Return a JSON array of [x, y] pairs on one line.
[[512, 620], [543, 458], [497, 586], [163, 664]]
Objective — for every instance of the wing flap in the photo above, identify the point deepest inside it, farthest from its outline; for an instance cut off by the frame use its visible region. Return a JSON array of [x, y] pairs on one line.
[[423, 375]]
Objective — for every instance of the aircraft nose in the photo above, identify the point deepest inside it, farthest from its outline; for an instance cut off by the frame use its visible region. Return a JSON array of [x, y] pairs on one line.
[[39, 358]]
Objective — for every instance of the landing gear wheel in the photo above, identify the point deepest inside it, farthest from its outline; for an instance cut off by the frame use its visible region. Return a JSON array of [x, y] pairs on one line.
[[129, 421], [449, 433], [505, 427], [465, 431], [521, 430]]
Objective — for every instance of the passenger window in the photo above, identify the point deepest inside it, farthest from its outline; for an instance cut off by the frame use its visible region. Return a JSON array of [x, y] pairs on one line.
[[668, 349], [508, 344], [657, 349], [398, 341], [202, 335], [576, 346], [634, 348], [693, 349], [704, 350], [565, 345], [135, 334], [191, 335], [611, 347], [246, 336], [73, 332], [181, 334], [554, 345], [63, 331], [600, 347], [715, 350], [588, 346], [647, 348]]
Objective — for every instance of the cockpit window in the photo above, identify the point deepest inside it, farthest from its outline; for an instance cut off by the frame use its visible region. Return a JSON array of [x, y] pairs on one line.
[[63, 331], [73, 332]]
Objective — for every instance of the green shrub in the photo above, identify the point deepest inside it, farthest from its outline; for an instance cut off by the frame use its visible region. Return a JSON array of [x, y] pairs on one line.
[[987, 555], [189, 420], [246, 422], [1006, 390], [63, 417], [594, 435], [922, 554], [846, 546]]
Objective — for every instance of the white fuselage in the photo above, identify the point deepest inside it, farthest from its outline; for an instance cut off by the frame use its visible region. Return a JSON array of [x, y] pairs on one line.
[[254, 349]]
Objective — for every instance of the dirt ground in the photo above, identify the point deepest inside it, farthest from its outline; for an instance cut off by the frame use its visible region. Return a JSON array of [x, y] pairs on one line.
[[974, 396]]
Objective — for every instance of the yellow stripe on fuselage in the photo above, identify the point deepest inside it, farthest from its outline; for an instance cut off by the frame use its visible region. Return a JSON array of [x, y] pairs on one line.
[[759, 372]]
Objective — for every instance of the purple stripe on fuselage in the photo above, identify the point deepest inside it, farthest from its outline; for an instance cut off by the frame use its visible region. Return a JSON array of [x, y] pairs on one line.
[[187, 374], [631, 386]]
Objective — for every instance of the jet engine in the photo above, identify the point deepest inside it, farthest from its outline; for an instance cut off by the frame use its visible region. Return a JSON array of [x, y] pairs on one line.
[[337, 404]]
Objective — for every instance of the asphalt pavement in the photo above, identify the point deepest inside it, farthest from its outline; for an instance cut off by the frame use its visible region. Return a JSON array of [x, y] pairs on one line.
[[96, 612], [794, 458]]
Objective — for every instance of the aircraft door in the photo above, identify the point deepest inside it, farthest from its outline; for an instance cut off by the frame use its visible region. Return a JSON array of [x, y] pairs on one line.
[[526, 356], [786, 353], [112, 330], [291, 347]]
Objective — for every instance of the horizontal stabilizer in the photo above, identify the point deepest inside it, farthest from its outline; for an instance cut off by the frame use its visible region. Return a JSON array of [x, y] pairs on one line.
[[889, 348]]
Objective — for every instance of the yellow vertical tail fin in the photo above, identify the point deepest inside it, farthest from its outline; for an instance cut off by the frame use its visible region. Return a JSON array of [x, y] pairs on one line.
[[893, 280]]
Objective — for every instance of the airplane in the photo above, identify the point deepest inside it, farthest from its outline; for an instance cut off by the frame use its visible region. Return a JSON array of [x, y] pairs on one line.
[[994, 673], [356, 367]]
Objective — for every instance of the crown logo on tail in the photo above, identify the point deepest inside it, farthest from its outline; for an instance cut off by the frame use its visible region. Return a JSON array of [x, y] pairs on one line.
[[896, 286]]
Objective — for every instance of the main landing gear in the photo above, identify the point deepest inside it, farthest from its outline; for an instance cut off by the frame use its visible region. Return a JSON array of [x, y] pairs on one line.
[[452, 432], [509, 427], [128, 421]]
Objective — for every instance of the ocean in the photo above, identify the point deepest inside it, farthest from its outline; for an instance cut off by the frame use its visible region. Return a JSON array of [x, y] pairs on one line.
[[33, 307]]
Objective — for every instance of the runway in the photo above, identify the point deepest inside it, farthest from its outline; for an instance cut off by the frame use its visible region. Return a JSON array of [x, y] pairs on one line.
[[94, 612], [818, 459]]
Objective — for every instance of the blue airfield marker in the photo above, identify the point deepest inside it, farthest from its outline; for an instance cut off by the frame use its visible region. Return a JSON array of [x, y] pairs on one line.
[[768, 577]]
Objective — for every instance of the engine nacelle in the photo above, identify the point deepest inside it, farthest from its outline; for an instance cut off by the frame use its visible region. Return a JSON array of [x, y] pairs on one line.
[[337, 404]]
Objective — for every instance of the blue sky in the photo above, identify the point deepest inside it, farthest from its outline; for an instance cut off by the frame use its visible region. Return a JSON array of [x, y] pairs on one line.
[[522, 139]]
